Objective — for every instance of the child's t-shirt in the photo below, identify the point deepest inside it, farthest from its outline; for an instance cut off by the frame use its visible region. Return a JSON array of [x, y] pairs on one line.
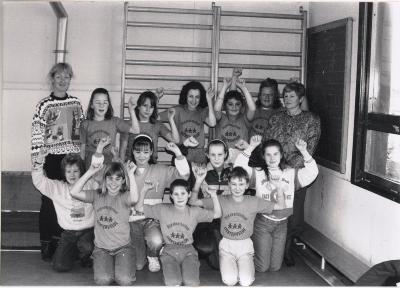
[[237, 220], [111, 214], [177, 226], [230, 131], [151, 129], [93, 131], [260, 121], [190, 123]]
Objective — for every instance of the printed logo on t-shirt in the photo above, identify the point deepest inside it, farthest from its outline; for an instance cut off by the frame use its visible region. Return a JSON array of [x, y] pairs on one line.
[[178, 233], [235, 226], [231, 133], [259, 125], [96, 136], [77, 210], [190, 128], [106, 217]]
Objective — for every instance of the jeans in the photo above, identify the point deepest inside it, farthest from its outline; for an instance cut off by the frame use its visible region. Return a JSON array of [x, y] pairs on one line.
[[146, 239], [296, 221], [269, 243], [110, 265], [236, 261], [71, 244], [180, 265], [48, 224]]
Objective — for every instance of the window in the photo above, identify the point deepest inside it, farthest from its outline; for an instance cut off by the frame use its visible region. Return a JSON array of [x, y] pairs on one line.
[[376, 157]]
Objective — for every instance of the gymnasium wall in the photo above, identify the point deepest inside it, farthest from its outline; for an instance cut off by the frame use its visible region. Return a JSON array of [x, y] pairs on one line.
[[94, 44], [360, 221]]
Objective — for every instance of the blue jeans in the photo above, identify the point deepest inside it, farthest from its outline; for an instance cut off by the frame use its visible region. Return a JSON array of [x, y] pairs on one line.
[[110, 265], [269, 243], [72, 243], [146, 239], [180, 265]]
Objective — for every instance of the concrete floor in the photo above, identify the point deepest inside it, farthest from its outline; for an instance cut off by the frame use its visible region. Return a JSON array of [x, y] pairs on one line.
[[26, 268]]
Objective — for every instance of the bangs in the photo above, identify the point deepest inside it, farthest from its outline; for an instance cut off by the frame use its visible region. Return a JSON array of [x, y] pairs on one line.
[[141, 146], [115, 169]]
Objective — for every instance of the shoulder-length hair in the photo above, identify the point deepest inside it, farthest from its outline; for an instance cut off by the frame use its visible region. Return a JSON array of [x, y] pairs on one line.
[[118, 169], [141, 142], [90, 110], [153, 102], [273, 84], [193, 85]]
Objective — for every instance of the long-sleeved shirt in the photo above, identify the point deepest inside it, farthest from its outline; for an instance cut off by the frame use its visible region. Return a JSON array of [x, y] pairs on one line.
[[55, 126], [286, 129], [287, 180], [72, 214]]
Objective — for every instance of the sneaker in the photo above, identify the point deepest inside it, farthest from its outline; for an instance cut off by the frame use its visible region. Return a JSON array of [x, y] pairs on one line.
[[154, 264]]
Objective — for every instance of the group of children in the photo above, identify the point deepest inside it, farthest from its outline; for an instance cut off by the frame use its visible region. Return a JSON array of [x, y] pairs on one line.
[[209, 214]]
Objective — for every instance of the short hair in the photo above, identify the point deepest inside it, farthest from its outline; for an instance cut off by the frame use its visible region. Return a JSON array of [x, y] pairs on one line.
[[298, 88], [178, 183], [233, 94], [140, 142], [218, 142], [193, 85], [60, 67], [72, 159], [115, 168], [153, 102], [273, 84], [90, 110], [239, 172]]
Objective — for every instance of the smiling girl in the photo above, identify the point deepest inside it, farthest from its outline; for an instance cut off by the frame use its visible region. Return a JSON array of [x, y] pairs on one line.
[[270, 178], [100, 123], [113, 256]]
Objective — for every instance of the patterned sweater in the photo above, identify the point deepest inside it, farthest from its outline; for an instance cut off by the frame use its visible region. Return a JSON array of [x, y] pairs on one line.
[[56, 124], [286, 129]]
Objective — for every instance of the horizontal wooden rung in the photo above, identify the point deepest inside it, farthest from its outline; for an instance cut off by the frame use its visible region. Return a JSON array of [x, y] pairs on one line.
[[169, 25], [262, 29], [169, 10], [260, 52], [167, 77], [169, 48], [262, 15]]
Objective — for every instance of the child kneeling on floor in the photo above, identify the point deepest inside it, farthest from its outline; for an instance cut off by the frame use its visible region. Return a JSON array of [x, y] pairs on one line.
[[75, 217], [236, 250], [113, 255], [179, 259]]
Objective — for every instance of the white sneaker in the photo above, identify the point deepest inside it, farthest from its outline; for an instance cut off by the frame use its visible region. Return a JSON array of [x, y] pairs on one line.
[[154, 264]]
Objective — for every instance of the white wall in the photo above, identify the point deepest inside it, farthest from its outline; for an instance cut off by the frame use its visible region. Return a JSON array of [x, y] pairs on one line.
[[362, 222], [94, 45]]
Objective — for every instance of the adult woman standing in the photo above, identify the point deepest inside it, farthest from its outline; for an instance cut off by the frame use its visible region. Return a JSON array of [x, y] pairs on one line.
[[55, 128], [286, 126]]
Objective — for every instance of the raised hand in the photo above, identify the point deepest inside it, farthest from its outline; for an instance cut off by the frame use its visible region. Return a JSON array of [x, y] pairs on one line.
[[132, 104], [190, 142], [227, 82], [255, 140], [301, 145], [210, 93], [104, 142], [171, 113], [131, 168], [171, 146], [241, 83], [43, 152], [159, 93], [237, 72], [199, 171], [212, 191], [241, 144], [148, 185]]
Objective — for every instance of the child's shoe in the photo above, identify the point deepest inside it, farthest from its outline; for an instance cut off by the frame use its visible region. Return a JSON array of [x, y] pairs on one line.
[[154, 264], [45, 251]]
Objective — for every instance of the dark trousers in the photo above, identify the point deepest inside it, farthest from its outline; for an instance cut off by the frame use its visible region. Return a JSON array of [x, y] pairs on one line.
[[206, 239], [72, 244], [48, 225], [383, 274], [296, 221]]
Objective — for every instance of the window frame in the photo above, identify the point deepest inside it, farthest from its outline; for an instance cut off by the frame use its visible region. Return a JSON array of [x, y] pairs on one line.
[[365, 121]]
